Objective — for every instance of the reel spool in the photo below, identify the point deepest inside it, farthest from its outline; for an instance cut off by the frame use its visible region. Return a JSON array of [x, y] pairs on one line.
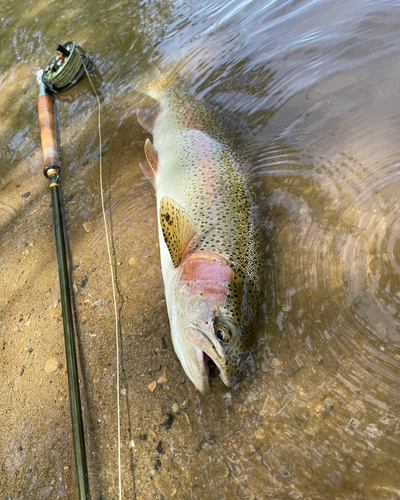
[[65, 67]]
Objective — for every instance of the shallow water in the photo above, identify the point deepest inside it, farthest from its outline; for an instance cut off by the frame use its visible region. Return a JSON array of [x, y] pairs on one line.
[[310, 92]]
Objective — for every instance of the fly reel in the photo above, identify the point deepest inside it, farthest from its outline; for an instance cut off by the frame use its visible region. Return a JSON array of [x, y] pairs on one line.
[[65, 67]]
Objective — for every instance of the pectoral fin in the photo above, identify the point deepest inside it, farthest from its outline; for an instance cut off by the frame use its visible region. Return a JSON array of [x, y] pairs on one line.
[[178, 228]]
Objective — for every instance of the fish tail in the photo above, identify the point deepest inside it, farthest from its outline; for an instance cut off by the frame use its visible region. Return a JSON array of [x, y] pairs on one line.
[[158, 83]]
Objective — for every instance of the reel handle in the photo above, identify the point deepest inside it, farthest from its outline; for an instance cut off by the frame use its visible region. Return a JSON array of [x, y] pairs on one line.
[[48, 134]]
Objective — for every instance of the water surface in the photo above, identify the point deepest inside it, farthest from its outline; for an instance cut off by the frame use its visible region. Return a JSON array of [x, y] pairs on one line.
[[309, 91]]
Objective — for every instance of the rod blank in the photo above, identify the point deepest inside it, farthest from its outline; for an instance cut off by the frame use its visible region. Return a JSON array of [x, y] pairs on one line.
[[51, 168]]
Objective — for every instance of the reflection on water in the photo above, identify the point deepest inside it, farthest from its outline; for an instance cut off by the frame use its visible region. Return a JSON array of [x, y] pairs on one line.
[[310, 91]]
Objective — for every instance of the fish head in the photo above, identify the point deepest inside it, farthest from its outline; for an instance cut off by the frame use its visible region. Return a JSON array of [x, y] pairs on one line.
[[203, 326]]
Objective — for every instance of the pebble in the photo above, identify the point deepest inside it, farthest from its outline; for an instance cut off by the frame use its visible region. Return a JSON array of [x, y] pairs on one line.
[[123, 391], [26, 195], [175, 407], [168, 421], [227, 399], [87, 226], [83, 283], [152, 434], [185, 405], [259, 434], [51, 365], [131, 443], [277, 362], [165, 486], [152, 386], [132, 261], [222, 471], [164, 377]]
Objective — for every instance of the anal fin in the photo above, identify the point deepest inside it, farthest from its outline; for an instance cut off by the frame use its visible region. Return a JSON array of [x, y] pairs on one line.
[[147, 116], [178, 228], [151, 154], [149, 168], [148, 172]]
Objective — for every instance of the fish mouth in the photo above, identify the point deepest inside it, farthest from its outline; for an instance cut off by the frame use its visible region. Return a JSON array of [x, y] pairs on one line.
[[211, 369], [208, 360]]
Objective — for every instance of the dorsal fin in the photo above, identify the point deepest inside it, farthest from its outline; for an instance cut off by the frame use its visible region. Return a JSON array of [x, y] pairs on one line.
[[178, 228], [151, 154]]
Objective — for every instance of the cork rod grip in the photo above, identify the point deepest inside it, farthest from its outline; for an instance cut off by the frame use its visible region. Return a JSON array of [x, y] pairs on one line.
[[48, 133]]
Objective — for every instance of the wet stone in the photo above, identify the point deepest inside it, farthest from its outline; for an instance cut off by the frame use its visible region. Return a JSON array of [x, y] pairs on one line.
[[157, 466], [185, 405], [168, 421], [51, 365], [165, 486], [164, 377], [152, 386], [206, 442], [26, 195], [45, 491], [160, 448], [83, 283]]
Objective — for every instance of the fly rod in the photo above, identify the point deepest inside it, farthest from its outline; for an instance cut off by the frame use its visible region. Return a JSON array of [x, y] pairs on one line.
[[64, 69]]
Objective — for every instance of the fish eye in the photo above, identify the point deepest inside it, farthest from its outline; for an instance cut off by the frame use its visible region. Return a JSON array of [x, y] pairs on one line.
[[223, 332]]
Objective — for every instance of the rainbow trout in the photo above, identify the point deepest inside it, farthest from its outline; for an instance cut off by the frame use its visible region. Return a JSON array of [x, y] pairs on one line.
[[209, 239]]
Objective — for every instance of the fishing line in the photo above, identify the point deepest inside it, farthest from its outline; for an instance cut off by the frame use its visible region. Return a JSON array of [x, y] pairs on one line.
[[112, 281]]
